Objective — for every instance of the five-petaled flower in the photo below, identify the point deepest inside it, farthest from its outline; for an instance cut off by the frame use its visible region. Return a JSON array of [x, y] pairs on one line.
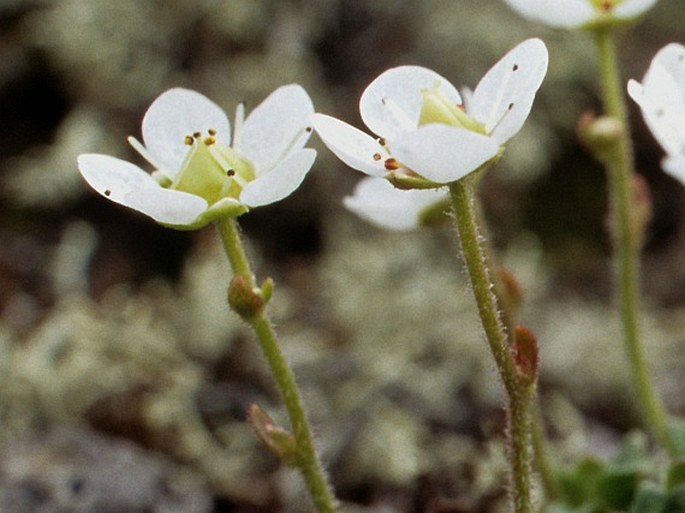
[[661, 97], [428, 136], [580, 13], [201, 174]]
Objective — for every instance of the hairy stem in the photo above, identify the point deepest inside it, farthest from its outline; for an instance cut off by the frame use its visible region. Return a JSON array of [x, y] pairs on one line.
[[307, 459], [518, 394]]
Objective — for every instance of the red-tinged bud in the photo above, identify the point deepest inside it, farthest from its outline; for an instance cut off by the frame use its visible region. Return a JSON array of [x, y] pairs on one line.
[[510, 292], [248, 301], [526, 354], [641, 209], [280, 441]]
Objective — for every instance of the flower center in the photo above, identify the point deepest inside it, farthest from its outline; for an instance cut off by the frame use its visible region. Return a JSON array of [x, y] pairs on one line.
[[437, 108], [212, 170], [605, 5]]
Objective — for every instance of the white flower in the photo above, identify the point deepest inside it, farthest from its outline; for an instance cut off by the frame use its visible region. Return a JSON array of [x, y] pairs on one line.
[[661, 96], [428, 135], [201, 174], [376, 200], [580, 13]]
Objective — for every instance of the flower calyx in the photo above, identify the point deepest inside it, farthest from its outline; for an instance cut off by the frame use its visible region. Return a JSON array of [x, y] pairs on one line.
[[280, 441], [437, 108], [246, 300]]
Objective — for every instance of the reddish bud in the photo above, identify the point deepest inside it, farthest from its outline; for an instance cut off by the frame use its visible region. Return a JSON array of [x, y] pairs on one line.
[[248, 301], [279, 440], [526, 354]]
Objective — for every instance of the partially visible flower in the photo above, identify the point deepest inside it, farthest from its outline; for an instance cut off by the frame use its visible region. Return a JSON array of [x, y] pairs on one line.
[[376, 200], [427, 135], [661, 97], [200, 173], [580, 13]]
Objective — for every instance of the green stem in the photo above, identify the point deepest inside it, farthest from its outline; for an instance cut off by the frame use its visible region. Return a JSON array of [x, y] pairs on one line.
[[307, 460], [519, 395], [626, 238]]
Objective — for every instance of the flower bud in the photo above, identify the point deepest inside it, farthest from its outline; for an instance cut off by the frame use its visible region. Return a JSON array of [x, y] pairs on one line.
[[526, 354], [600, 134], [280, 441], [248, 301]]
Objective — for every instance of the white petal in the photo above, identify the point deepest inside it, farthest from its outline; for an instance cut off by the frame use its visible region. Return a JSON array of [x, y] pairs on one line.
[[277, 127], [661, 97], [557, 13], [632, 8], [176, 114], [113, 178], [167, 206], [128, 185], [355, 148], [391, 104], [377, 201], [675, 166], [443, 153], [504, 96], [280, 181]]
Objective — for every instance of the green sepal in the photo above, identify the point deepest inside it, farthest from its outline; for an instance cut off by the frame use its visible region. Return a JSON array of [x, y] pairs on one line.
[[226, 207]]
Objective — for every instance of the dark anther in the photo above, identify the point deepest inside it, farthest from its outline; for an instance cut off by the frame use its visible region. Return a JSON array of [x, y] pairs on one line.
[[515, 68], [376, 156], [391, 164], [211, 131], [188, 140], [511, 106], [196, 135], [308, 129], [382, 141], [209, 141], [108, 193], [230, 172]]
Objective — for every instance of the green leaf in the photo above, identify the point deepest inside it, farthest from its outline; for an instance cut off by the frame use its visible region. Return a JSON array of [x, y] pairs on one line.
[[616, 488], [648, 499]]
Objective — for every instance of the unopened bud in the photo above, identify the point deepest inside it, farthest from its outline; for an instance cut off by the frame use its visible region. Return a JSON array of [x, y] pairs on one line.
[[248, 301], [509, 291], [641, 208], [600, 134], [280, 441], [526, 354]]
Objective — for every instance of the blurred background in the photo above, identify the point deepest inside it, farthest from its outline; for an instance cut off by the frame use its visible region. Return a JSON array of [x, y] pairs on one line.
[[124, 379]]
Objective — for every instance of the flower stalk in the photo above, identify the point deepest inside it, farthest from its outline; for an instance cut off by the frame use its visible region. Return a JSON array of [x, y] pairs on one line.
[[306, 457], [626, 237], [519, 390]]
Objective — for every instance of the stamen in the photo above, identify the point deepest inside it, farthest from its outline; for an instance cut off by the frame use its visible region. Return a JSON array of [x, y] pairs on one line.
[[238, 125], [398, 114], [209, 141], [196, 135], [391, 164], [515, 67], [142, 150], [377, 156], [108, 193], [382, 141], [230, 172], [212, 131], [188, 140]]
